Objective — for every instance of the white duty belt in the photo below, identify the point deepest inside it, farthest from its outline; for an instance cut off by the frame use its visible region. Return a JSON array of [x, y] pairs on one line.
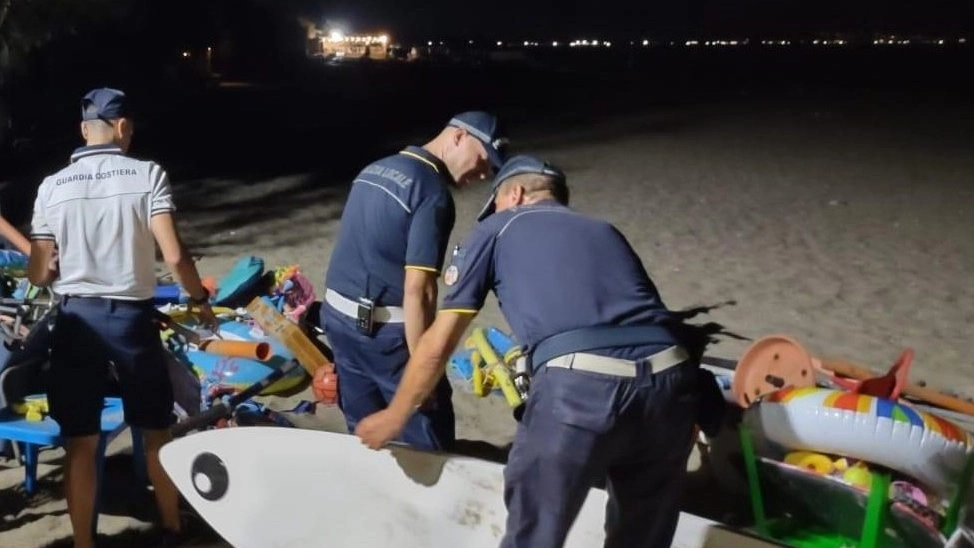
[[348, 307], [658, 362]]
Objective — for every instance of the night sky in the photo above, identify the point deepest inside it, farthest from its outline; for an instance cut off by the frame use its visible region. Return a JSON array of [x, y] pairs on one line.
[[558, 18]]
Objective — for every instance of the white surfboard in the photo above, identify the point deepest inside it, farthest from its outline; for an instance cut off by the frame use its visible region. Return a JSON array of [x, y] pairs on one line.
[[270, 487]]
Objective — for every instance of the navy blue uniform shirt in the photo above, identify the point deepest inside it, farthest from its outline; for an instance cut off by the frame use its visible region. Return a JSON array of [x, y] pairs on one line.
[[399, 215], [553, 270]]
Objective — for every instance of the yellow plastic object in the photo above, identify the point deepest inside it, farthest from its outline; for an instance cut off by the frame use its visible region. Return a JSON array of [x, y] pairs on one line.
[[274, 324], [820, 464], [487, 352], [498, 373], [501, 375], [512, 355], [182, 314], [34, 409], [480, 389], [841, 464], [795, 457], [859, 476]]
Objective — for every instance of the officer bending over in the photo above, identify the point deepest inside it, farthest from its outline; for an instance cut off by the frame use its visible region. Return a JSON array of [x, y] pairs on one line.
[[613, 392], [381, 281]]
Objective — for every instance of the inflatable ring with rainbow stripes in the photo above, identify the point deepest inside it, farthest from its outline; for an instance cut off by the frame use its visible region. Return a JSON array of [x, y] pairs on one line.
[[928, 448]]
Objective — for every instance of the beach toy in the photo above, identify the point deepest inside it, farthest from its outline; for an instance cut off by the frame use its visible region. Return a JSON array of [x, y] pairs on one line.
[[500, 375], [904, 490], [770, 364], [309, 355], [238, 286], [240, 372], [888, 386], [841, 464], [856, 508], [237, 373], [496, 373], [478, 338], [481, 384], [503, 343], [32, 407], [834, 368], [181, 314], [253, 350], [293, 291], [499, 344], [25, 290], [911, 498], [918, 444], [858, 476], [324, 385], [166, 293], [461, 365], [818, 463], [13, 260]]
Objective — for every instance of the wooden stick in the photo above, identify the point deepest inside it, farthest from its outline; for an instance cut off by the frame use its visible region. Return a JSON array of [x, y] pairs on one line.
[[928, 395]]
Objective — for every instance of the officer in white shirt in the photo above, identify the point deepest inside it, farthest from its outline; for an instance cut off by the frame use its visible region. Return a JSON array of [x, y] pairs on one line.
[[93, 236]]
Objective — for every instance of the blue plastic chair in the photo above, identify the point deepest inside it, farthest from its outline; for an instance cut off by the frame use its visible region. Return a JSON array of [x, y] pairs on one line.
[[31, 436]]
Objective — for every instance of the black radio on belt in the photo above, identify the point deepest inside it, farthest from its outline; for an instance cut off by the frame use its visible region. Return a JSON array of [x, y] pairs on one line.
[[364, 317]]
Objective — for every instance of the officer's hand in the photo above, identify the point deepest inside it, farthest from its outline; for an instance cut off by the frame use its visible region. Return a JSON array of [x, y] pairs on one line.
[[379, 428]]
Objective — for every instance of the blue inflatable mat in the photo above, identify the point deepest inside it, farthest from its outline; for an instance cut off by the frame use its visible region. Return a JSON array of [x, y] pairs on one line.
[[240, 282]]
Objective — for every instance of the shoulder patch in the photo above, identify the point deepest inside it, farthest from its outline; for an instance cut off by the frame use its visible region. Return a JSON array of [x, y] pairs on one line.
[[451, 275]]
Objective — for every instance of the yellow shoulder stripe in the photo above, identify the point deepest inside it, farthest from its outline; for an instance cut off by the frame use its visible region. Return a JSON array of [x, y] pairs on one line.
[[423, 268]]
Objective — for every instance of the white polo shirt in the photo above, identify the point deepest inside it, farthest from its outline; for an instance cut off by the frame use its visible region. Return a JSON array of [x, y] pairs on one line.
[[97, 210]]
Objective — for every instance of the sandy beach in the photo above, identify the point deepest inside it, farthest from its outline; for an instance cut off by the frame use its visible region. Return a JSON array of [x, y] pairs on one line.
[[845, 222]]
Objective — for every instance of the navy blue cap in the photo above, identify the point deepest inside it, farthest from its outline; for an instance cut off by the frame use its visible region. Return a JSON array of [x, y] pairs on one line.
[[485, 127], [519, 165], [109, 104]]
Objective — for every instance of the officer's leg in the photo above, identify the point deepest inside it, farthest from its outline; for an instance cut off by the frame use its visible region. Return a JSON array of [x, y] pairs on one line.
[[557, 455], [439, 416], [645, 484], [147, 396], [358, 395], [433, 426], [645, 501], [75, 394]]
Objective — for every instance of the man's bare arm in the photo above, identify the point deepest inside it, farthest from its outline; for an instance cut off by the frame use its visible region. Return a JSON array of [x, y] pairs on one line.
[[41, 265], [419, 303], [175, 255], [428, 362]]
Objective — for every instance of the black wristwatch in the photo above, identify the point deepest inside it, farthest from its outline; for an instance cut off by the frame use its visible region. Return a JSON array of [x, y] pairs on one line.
[[202, 300]]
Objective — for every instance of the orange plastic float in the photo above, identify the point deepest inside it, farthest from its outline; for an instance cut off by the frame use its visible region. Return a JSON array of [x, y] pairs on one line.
[[770, 364], [253, 350]]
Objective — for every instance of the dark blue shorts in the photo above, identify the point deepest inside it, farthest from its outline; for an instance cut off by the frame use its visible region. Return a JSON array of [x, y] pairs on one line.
[[89, 334], [369, 370]]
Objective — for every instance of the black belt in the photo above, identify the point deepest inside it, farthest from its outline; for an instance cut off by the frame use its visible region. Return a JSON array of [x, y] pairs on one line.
[[96, 298]]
